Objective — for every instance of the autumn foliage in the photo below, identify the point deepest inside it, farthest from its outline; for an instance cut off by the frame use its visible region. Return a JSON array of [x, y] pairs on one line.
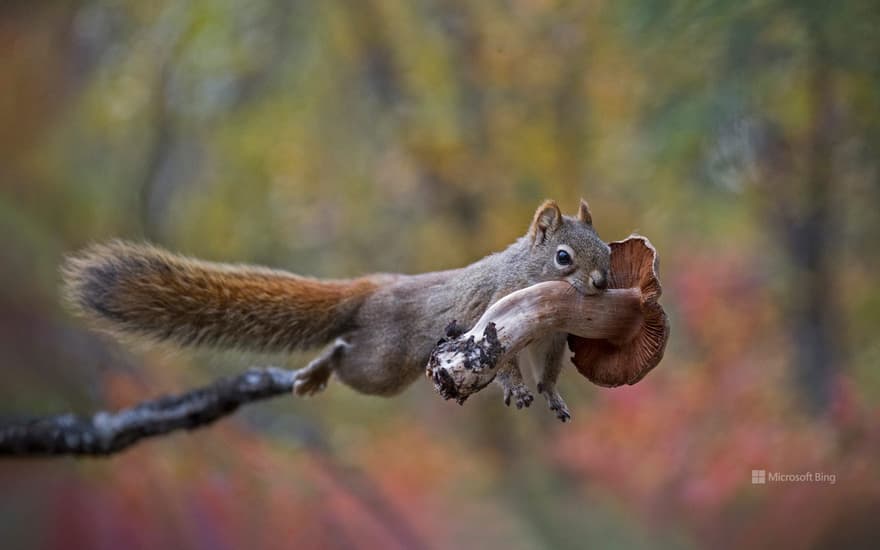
[[338, 138]]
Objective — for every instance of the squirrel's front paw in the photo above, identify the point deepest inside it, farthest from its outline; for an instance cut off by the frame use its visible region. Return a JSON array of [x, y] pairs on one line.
[[511, 381], [555, 402], [519, 394]]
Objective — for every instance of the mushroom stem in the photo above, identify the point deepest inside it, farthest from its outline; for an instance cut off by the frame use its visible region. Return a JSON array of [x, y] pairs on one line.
[[467, 362], [556, 306]]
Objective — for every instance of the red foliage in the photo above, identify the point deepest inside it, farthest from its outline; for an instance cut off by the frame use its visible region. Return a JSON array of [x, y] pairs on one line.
[[681, 445]]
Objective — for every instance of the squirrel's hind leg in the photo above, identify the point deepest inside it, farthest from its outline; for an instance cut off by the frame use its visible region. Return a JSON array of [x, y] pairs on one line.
[[313, 378]]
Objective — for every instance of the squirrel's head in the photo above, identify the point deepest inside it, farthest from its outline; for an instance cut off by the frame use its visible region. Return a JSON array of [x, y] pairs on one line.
[[568, 248]]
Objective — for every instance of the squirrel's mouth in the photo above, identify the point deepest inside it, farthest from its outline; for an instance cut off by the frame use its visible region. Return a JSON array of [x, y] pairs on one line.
[[584, 289]]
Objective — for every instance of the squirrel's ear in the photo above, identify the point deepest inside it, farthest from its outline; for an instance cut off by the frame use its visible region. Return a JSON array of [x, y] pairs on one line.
[[547, 219], [584, 213]]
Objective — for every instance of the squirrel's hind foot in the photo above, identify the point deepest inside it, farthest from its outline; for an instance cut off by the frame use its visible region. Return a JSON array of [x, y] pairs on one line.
[[313, 378], [309, 384]]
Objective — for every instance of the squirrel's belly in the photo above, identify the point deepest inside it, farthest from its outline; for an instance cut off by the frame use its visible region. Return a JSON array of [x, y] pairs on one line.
[[380, 370]]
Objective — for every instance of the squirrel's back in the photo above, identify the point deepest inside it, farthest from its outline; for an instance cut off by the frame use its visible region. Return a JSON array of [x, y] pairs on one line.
[[143, 291]]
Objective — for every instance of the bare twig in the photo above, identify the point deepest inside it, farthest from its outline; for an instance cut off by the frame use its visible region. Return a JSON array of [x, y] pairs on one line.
[[106, 433]]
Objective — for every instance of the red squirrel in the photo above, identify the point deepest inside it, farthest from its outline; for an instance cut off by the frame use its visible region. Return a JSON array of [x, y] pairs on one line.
[[378, 329]]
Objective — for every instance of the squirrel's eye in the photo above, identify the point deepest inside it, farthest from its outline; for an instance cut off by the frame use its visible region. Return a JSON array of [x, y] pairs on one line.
[[563, 258]]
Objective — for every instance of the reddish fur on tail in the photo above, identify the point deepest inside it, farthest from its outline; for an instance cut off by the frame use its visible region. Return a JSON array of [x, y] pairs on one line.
[[143, 291]]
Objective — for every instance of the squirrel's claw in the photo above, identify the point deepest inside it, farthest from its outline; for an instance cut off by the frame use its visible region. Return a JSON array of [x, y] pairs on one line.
[[520, 395], [561, 412], [555, 402], [311, 381], [308, 387], [510, 379]]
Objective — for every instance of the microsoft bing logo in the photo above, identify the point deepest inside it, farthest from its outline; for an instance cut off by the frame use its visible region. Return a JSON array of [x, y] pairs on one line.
[[759, 477]]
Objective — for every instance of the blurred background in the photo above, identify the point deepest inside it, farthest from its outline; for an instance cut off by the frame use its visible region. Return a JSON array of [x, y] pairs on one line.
[[342, 137]]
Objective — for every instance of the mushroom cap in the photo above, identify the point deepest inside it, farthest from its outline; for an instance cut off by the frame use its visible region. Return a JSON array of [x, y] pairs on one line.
[[634, 264]]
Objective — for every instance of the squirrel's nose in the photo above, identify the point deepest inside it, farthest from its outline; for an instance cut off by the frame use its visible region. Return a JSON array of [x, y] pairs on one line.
[[599, 279]]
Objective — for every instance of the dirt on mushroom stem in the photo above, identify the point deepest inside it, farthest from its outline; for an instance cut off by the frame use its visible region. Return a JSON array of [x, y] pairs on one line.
[[477, 357]]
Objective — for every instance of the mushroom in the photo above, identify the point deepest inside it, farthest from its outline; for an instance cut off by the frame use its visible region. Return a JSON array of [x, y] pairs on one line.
[[617, 336], [627, 358]]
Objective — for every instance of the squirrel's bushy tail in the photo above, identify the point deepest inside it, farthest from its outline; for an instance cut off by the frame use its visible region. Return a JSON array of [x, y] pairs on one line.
[[143, 291]]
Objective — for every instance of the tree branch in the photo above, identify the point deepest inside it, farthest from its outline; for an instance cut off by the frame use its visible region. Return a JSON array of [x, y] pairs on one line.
[[106, 433]]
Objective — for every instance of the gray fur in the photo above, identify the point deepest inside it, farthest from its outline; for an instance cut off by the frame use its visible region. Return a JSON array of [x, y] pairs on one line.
[[384, 326], [399, 324]]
